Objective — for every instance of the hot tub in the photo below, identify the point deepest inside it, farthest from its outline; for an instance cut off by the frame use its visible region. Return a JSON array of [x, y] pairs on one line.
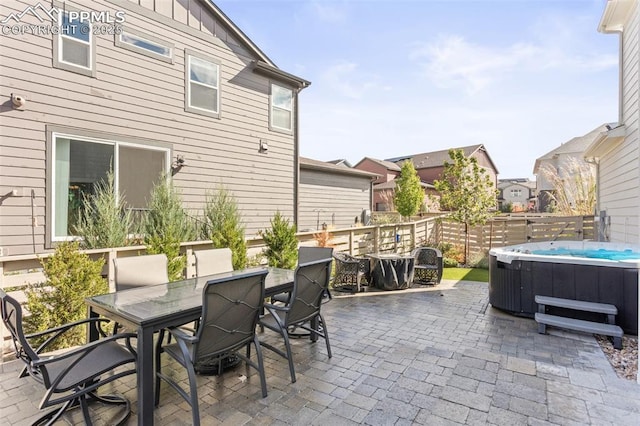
[[581, 270]]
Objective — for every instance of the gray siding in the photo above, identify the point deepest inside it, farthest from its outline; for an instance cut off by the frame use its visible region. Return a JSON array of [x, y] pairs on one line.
[[619, 169], [135, 96], [331, 198]]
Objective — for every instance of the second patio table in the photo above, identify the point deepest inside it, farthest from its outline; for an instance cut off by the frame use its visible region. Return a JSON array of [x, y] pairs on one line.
[[391, 271]]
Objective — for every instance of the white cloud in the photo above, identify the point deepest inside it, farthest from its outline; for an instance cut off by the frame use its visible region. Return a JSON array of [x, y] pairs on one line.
[[346, 79], [452, 61], [332, 12]]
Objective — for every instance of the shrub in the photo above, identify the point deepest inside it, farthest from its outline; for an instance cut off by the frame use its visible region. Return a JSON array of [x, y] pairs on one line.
[[323, 238], [480, 260], [103, 220], [166, 226], [71, 277], [223, 225], [452, 254], [282, 244]]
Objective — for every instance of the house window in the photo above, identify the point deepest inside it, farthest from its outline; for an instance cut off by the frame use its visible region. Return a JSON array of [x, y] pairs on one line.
[[281, 108], [145, 44], [516, 193], [79, 164], [202, 85], [74, 46]]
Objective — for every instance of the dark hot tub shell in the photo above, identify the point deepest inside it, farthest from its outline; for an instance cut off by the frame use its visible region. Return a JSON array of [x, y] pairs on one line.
[[513, 286]]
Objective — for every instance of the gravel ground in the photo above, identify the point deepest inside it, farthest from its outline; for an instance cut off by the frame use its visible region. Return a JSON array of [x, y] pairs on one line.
[[624, 361]]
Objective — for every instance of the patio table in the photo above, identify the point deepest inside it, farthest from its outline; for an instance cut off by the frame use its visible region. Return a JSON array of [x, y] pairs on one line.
[[390, 271], [150, 309]]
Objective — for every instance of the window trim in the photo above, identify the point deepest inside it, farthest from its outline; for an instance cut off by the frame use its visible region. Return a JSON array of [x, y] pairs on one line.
[[57, 50], [272, 126], [54, 132], [188, 54], [141, 50]]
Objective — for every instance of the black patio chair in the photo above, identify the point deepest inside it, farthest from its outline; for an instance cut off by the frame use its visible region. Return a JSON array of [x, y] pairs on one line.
[[428, 265], [71, 377], [230, 310], [305, 255], [351, 272], [302, 310]]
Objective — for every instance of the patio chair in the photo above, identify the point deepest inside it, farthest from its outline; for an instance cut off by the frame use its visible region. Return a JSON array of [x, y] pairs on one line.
[[213, 261], [428, 265], [70, 377], [351, 272], [139, 271], [230, 310], [305, 255], [303, 309]]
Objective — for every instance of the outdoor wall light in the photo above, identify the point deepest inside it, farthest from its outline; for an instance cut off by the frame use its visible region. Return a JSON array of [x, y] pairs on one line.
[[18, 101], [264, 146]]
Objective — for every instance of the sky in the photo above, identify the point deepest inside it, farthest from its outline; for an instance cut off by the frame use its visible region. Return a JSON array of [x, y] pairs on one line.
[[391, 78]]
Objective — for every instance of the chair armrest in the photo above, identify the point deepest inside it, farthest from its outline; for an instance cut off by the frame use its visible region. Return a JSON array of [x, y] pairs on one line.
[[179, 334], [271, 307], [60, 330]]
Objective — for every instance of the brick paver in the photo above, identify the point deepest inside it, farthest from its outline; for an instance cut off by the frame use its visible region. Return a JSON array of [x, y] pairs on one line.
[[436, 356]]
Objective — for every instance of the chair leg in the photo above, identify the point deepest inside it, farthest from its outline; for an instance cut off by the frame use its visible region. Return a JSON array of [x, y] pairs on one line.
[[287, 346], [263, 379], [193, 387], [326, 334]]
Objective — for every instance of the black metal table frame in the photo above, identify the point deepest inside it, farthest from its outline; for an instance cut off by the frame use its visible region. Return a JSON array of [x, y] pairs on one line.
[[277, 281]]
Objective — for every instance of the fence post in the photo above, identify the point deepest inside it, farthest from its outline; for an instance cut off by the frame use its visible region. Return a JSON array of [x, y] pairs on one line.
[[414, 235], [376, 238], [351, 243], [111, 273]]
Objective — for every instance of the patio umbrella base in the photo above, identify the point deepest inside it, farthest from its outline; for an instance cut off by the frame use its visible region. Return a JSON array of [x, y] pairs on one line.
[[211, 366]]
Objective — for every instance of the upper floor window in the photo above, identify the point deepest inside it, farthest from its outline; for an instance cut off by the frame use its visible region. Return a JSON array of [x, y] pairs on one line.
[[281, 116], [202, 81], [516, 193], [74, 46], [145, 44], [80, 163]]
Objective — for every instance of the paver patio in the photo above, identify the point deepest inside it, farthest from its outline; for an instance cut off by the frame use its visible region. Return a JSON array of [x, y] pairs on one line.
[[435, 356]]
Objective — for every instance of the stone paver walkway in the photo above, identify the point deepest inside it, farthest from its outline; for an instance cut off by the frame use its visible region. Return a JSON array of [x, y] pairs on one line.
[[438, 356]]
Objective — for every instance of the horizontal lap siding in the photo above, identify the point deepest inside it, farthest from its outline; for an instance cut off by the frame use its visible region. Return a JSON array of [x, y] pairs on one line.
[[140, 97], [334, 199], [619, 169]]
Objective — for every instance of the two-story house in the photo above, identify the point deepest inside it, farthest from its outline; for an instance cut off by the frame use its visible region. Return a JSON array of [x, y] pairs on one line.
[[146, 89], [616, 151], [563, 162], [518, 195]]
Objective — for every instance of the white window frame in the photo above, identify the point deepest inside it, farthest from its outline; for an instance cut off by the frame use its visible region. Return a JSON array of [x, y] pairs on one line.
[[58, 49], [126, 31], [116, 143], [516, 193], [187, 84], [272, 107]]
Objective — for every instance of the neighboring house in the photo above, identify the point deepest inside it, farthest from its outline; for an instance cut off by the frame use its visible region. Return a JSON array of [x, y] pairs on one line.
[[172, 87], [383, 185], [383, 194], [340, 162], [430, 165], [519, 194], [559, 161], [332, 195], [616, 152]]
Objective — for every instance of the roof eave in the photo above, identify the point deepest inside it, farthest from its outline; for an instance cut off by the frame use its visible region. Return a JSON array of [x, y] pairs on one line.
[[614, 16], [268, 70], [606, 142]]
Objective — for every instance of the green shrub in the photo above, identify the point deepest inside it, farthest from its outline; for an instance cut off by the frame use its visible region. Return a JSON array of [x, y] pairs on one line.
[[71, 277], [166, 226], [103, 220], [223, 225], [282, 244], [480, 260]]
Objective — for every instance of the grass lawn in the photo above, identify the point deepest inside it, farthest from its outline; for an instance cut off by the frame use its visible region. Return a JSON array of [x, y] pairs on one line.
[[468, 274]]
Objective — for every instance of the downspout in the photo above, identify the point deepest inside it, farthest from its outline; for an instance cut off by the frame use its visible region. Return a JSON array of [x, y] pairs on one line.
[[296, 158]]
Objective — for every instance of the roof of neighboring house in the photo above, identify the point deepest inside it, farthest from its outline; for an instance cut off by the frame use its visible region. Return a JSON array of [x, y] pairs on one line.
[[386, 164], [437, 158], [530, 184], [577, 145], [340, 162], [308, 163], [392, 185]]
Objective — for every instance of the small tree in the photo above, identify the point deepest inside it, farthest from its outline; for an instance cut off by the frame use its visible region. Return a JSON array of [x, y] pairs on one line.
[[103, 219], [409, 195], [467, 191], [166, 226], [574, 187], [71, 276], [223, 225], [282, 244]]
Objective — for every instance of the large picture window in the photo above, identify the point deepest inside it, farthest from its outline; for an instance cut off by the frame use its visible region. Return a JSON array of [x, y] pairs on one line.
[[81, 163], [202, 85], [281, 108], [74, 46]]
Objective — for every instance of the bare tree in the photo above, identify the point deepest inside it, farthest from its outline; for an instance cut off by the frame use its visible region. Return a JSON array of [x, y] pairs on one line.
[[574, 187]]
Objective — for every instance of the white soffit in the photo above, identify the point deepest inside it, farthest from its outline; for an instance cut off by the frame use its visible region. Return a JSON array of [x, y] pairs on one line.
[[606, 142], [615, 15]]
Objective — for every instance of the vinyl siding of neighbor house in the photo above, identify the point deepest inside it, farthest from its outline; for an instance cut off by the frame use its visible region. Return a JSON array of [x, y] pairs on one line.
[[619, 177], [331, 198], [135, 96]]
